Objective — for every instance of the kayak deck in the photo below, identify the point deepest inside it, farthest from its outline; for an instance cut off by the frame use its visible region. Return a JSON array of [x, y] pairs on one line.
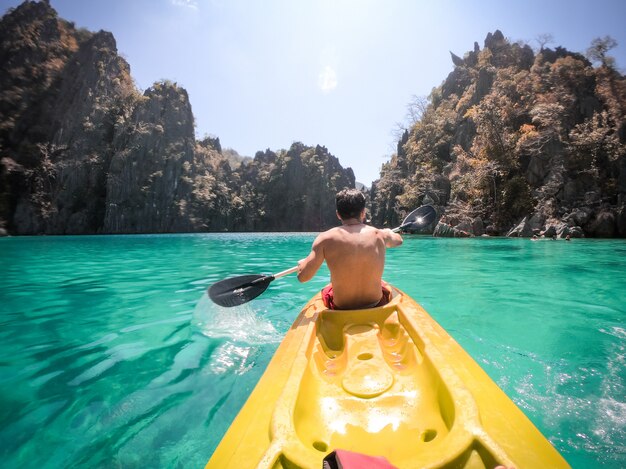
[[385, 381]]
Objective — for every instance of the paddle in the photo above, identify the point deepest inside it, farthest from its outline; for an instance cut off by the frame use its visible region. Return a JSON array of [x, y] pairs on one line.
[[236, 291], [418, 218]]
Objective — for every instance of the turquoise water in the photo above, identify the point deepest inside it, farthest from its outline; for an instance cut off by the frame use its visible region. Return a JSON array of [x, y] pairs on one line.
[[112, 356]]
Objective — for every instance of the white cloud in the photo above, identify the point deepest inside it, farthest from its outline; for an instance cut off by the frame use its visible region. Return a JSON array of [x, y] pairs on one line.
[[327, 80], [193, 4]]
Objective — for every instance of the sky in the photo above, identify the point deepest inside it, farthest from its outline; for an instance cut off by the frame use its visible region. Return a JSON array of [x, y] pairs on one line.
[[336, 73]]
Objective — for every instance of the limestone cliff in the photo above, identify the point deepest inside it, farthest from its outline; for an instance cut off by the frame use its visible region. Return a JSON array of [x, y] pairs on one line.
[[67, 89], [144, 186], [73, 127], [516, 143], [294, 189]]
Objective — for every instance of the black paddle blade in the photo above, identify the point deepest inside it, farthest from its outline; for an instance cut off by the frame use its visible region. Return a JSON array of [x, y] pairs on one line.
[[419, 218], [236, 291]]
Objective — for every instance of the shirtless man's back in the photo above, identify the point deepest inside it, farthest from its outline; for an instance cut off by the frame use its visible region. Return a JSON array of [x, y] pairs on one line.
[[355, 255]]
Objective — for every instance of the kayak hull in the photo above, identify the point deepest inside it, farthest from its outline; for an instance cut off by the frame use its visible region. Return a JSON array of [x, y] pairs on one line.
[[385, 381]]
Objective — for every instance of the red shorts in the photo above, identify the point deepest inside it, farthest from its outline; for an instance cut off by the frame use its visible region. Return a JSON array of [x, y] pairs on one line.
[[327, 297]]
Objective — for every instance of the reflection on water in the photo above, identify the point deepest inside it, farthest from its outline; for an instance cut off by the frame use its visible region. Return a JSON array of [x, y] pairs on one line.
[[112, 355]]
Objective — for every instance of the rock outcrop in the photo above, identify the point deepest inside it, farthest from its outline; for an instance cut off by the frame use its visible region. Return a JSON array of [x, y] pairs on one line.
[[56, 144], [528, 143], [296, 188], [74, 126], [444, 230], [144, 183]]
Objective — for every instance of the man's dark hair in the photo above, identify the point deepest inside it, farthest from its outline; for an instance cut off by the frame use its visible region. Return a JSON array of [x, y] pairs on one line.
[[350, 203]]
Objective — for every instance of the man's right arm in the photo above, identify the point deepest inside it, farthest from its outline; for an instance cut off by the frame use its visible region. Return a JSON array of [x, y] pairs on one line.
[[308, 266]]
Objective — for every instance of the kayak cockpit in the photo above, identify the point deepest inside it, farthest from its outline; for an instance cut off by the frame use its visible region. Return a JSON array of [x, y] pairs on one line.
[[368, 382]]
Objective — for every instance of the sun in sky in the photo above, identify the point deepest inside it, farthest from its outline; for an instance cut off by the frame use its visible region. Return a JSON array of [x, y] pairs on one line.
[[327, 80]]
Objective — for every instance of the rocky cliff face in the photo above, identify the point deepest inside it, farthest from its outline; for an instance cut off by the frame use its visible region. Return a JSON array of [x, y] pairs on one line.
[[82, 151], [67, 88], [144, 186], [516, 143], [295, 189], [73, 126]]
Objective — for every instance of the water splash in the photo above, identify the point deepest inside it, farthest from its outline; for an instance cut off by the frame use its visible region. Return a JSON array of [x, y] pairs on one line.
[[240, 324]]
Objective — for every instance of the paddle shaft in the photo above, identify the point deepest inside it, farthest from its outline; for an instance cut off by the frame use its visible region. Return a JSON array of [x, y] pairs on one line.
[[286, 272], [401, 227]]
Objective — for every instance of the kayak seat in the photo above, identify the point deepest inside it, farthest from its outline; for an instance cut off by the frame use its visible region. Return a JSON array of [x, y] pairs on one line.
[[376, 388]]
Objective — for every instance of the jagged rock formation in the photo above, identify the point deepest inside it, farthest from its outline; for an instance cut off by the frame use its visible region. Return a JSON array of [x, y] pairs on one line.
[[63, 91], [295, 189], [144, 186], [82, 151], [529, 144]]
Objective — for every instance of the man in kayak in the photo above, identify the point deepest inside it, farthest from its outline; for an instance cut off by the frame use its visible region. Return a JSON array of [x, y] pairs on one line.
[[355, 255]]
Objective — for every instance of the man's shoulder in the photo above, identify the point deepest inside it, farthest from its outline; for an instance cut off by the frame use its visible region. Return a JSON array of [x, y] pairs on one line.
[[329, 234], [326, 235], [339, 233], [371, 229]]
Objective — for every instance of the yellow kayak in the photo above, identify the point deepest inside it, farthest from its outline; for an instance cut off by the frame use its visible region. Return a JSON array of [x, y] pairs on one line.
[[385, 381]]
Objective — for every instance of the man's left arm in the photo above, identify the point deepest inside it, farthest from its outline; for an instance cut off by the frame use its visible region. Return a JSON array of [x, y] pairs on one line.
[[391, 238]]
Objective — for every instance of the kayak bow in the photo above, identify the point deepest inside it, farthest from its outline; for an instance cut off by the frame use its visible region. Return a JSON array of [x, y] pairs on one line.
[[387, 381]]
